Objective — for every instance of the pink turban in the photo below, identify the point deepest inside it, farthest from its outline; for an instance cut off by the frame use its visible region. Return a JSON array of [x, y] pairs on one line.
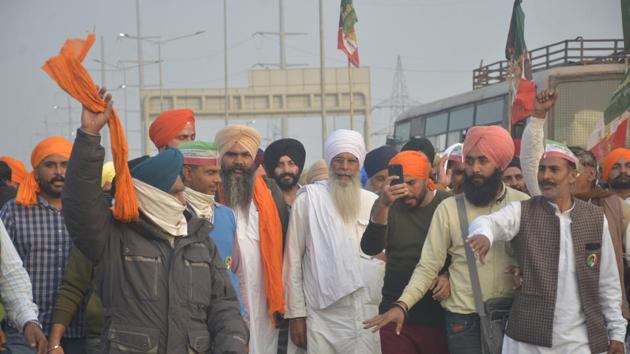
[[494, 142]]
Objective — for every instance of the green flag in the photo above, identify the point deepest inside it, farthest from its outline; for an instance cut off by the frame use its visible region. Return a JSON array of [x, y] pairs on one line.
[[515, 45], [625, 23], [620, 101]]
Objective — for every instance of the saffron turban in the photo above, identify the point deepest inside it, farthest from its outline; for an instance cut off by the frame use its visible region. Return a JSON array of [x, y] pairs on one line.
[[414, 164], [421, 144], [200, 153], [56, 145], [18, 171], [108, 173], [169, 124], [556, 149], [248, 137], [317, 172], [284, 147], [611, 159], [161, 170], [494, 142], [377, 159], [343, 140]]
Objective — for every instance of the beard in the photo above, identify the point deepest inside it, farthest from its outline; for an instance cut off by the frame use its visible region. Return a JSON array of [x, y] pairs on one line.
[[479, 190], [47, 187], [621, 182], [283, 183], [238, 189], [346, 196]]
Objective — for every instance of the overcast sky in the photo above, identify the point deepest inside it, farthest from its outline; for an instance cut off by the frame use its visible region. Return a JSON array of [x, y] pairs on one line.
[[440, 42]]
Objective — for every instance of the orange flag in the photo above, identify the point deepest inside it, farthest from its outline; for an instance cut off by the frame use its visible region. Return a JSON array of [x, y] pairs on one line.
[[66, 69]]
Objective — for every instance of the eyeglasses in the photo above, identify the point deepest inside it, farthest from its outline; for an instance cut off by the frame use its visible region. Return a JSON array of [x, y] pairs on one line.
[[343, 161]]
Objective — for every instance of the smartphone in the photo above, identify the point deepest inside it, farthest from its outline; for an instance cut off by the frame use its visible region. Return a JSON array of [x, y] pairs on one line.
[[396, 170]]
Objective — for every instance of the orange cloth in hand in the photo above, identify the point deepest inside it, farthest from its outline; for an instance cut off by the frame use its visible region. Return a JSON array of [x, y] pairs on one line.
[[18, 170], [169, 124], [56, 145], [494, 142], [611, 159], [270, 232], [414, 164], [66, 69]]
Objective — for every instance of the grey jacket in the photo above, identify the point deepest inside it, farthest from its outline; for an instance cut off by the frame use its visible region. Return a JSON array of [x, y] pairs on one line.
[[157, 298]]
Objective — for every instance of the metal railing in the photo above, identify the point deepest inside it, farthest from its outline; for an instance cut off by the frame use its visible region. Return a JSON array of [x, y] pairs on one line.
[[568, 52]]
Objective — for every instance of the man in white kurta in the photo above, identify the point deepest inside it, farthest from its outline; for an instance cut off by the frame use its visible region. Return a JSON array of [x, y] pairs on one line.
[[330, 285], [569, 321]]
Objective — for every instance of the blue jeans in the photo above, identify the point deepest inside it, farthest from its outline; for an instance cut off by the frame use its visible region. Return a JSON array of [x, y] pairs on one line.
[[17, 344], [463, 333]]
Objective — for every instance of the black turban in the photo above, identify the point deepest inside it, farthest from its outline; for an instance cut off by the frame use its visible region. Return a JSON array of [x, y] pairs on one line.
[[421, 144], [516, 162], [284, 147], [377, 159]]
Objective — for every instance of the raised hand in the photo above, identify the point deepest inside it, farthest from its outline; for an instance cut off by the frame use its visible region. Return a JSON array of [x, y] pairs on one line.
[[544, 101], [391, 193], [93, 122]]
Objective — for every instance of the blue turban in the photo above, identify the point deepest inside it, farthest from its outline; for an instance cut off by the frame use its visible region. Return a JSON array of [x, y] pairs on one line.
[[161, 170], [377, 159]]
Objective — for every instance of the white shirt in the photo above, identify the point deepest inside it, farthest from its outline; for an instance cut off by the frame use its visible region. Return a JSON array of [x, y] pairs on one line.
[[569, 323], [15, 285], [263, 334]]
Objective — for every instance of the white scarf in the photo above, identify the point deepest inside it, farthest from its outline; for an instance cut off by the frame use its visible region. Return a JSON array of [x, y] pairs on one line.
[[162, 208], [201, 203], [335, 260]]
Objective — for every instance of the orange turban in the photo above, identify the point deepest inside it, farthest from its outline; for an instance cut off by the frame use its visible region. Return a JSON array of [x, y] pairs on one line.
[[169, 124], [612, 159], [56, 145], [414, 164], [18, 171], [495, 143]]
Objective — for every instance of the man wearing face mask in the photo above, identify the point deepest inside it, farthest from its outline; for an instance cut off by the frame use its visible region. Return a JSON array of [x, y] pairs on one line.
[[162, 282]]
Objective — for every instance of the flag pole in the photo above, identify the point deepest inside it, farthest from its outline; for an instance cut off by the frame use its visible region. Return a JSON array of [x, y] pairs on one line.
[[351, 95]]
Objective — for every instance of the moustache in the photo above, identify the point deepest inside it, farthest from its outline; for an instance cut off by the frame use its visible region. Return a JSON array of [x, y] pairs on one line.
[[242, 170], [286, 174], [57, 179], [548, 184]]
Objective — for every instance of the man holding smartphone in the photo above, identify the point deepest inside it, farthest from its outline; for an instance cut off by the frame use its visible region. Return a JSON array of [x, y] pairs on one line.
[[399, 224]]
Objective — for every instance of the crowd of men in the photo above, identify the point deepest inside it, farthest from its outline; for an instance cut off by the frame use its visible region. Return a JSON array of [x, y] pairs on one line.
[[240, 250]]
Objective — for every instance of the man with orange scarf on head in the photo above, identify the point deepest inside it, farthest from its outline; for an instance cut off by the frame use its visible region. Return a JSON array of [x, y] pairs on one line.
[[35, 223], [259, 235], [399, 224], [616, 171], [172, 128]]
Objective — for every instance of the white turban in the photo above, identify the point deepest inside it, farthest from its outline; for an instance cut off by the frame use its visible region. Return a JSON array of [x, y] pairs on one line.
[[344, 140]]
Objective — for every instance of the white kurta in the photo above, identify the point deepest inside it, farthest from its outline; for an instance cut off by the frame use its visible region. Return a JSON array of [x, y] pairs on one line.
[[263, 336], [569, 322], [336, 327]]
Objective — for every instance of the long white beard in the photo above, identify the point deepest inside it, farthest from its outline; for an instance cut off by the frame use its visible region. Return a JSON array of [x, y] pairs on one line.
[[346, 196]]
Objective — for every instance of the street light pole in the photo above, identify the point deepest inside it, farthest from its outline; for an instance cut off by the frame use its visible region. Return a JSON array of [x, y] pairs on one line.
[[322, 74], [226, 102], [143, 119], [159, 45]]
